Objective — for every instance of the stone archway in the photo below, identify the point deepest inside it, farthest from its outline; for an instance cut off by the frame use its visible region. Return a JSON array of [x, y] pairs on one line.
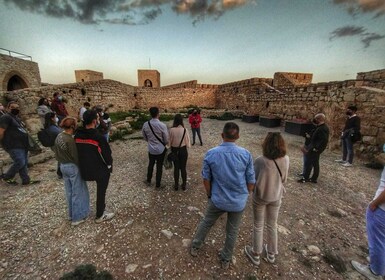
[[15, 83], [147, 83]]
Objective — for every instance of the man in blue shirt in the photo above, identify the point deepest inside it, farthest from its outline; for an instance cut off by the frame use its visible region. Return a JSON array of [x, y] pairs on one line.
[[228, 178], [156, 134]]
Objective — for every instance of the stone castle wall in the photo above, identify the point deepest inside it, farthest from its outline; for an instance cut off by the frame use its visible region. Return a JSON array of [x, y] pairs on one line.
[[289, 79], [26, 70], [253, 96], [87, 76]]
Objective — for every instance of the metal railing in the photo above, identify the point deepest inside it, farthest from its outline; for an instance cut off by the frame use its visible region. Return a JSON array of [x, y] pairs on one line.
[[16, 54]]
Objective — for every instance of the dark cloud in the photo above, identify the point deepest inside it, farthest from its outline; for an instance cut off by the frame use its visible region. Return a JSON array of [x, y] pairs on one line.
[[355, 7], [347, 31], [369, 37], [359, 31], [129, 12]]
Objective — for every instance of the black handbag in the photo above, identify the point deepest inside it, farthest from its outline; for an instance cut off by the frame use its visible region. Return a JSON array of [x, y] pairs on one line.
[[173, 156]]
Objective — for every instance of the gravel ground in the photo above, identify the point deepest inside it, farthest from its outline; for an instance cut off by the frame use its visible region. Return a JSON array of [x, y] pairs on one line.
[[149, 237]]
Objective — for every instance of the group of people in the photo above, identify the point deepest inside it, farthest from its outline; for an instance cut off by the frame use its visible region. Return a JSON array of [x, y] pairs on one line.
[[177, 138], [229, 175], [84, 155]]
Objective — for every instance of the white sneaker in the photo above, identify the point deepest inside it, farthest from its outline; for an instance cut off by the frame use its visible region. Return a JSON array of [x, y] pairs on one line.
[[269, 257], [340, 161], [347, 164], [78, 222], [366, 271], [105, 217]]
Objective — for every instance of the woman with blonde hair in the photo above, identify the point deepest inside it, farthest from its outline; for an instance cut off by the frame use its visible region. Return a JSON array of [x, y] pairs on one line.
[[271, 172], [78, 199]]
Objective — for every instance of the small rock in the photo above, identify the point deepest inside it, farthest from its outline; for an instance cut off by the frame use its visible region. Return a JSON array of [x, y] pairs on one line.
[[283, 230], [342, 212], [201, 214], [192, 208], [186, 242], [147, 266], [314, 250], [100, 249], [129, 222], [131, 268], [301, 222], [316, 258], [167, 233]]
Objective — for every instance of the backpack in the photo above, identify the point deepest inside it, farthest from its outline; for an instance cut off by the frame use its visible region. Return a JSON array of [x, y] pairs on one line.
[[46, 137]]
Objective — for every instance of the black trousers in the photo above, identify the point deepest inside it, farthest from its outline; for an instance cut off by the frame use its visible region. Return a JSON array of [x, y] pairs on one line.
[[180, 165], [158, 159], [312, 162], [101, 187]]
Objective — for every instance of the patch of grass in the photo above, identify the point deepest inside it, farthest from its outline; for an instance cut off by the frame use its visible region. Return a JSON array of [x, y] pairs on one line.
[[119, 116]]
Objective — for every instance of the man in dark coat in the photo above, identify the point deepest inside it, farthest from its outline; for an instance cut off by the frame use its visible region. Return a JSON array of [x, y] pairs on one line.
[[318, 144], [95, 161]]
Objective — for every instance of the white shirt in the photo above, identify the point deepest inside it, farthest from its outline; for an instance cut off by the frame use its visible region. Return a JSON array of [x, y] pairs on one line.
[[380, 189]]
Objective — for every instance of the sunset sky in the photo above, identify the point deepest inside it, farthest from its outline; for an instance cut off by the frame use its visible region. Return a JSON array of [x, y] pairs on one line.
[[213, 42]]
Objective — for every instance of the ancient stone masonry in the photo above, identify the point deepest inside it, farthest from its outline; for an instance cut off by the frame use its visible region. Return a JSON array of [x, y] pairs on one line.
[[288, 79], [17, 73], [252, 96], [148, 78], [87, 76]]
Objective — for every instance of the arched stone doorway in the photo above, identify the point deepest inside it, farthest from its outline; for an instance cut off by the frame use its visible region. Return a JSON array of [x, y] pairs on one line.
[[15, 83], [147, 83]]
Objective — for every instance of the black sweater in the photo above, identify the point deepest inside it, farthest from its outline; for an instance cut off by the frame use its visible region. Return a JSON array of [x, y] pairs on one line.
[[353, 123], [319, 139], [95, 159]]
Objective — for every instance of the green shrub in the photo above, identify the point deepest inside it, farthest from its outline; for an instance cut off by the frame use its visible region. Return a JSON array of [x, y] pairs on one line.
[[87, 272], [138, 124], [119, 116]]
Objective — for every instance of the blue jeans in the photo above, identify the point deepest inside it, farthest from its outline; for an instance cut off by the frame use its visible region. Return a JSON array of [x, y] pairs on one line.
[[232, 227], [347, 149], [78, 198], [19, 165], [375, 227], [196, 131]]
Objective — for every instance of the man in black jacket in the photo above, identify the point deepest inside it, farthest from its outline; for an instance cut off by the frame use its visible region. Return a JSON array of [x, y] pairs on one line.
[[352, 127], [318, 143], [95, 161]]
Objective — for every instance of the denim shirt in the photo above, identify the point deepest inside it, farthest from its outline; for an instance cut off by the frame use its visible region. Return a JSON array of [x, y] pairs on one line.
[[229, 168]]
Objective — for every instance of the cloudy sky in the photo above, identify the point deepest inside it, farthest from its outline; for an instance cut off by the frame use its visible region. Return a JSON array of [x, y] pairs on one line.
[[212, 41]]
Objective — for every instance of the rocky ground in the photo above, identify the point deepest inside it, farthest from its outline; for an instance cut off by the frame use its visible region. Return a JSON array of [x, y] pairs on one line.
[[321, 226]]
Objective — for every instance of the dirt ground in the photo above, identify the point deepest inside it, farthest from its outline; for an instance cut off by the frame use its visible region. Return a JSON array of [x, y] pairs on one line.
[[37, 242]]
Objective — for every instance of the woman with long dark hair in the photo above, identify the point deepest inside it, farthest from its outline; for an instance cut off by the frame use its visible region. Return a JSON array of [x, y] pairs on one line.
[[179, 142], [271, 172]]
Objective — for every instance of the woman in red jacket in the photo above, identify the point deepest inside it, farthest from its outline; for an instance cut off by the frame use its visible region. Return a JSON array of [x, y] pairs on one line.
[[195, 121]]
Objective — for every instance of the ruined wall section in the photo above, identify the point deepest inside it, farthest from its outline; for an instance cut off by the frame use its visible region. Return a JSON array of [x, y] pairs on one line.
[[27, 70], [87, 76], [289, 79], [188, 84], [376, 75], [103, 92], [176, 98]]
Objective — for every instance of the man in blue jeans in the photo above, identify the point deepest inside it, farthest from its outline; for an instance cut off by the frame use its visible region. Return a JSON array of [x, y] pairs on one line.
[[375, 228], [228, 177], [14, 139]]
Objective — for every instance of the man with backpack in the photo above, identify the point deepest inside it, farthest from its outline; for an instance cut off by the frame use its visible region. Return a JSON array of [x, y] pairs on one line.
[[14, 139]]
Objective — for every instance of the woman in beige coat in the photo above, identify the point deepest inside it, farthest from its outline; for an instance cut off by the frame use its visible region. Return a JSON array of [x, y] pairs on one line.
[[271, 172]]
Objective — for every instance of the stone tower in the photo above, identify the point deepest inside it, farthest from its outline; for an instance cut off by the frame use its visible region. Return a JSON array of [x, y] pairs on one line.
[[148, 78]]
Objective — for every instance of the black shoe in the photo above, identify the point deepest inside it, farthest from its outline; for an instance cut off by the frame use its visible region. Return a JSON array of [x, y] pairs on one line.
[[303, 180], [175, 187], [201, 144], [183, 187], [193, 144], [147, 183], [313, 181], [31, 182], [300, 174]]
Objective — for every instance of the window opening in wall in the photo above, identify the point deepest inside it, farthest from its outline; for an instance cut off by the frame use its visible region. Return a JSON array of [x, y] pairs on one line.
[[135, 95], [267, 104], [147, 83], [15, 83], [237, 107], [82, 80], [83, 91]]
